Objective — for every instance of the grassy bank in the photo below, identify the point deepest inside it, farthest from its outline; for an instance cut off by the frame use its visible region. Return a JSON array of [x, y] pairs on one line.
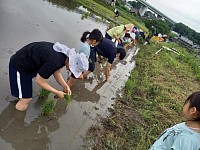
[[107, 12], [152, 99]]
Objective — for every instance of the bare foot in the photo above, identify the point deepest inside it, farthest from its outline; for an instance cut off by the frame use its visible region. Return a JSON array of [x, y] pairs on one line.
[[22, 104]]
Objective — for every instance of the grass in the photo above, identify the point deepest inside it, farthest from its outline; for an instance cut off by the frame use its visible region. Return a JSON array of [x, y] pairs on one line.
[[43, 94], [152, 99]]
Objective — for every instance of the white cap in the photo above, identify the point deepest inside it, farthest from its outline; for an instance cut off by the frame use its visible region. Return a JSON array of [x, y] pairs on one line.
[[77, 63]]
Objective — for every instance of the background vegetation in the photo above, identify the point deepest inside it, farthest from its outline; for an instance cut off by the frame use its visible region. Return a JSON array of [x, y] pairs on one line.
[[107, 12], [187, 32]]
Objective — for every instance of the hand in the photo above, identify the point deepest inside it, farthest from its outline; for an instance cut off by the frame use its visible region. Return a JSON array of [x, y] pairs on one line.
[[67, 90], [60, 94]]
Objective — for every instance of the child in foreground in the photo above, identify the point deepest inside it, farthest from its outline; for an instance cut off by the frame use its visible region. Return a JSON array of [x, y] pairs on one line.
[[185, 135]]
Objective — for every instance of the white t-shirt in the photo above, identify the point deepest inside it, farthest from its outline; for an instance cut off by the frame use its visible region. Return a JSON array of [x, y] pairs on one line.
[[133, 35]]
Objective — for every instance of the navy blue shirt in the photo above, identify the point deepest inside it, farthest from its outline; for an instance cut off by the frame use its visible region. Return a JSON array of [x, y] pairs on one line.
[[38, 57], [107, 49]]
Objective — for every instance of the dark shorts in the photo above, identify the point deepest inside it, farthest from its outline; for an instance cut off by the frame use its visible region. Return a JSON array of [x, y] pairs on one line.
[[92, 59], [20, 83]]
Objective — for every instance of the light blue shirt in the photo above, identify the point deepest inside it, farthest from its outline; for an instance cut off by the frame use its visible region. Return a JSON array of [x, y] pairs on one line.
[[178, 137], [84, 48]]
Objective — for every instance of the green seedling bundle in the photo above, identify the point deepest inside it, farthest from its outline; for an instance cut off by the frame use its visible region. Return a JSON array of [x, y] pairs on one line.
[[67, 99], [48, 107]]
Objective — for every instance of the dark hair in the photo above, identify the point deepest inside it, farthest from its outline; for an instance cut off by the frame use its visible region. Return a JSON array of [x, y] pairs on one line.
[[94, 35], [194, 100], [127, 35], [122, 53]]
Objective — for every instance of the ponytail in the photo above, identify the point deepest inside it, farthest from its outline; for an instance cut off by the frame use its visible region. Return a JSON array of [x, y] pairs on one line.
[[84, 36]]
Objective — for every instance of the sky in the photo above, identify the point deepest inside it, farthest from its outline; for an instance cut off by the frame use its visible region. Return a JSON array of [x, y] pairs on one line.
[[185, 11]]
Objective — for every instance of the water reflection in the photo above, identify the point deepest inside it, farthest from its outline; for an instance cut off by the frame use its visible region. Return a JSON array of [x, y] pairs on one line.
[[67, 4], [71, 5], [83, 94], [23, 136]]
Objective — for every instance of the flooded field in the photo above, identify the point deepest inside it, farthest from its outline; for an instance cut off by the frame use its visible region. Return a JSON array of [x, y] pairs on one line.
[[52, 20]]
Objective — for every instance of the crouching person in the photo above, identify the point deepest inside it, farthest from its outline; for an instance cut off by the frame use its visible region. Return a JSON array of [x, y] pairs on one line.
[[41, 60]]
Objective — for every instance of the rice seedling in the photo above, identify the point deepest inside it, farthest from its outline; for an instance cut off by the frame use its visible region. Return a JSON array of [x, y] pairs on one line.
[[67, 99], [48, 107]]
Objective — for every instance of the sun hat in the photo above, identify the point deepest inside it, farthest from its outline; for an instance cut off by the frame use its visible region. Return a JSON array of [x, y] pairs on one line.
[[58, 47], [129, 26], [77, 63]]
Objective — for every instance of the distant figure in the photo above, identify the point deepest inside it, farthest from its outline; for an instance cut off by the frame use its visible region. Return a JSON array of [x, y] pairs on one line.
[[125, 41], [185, 135], [116, 13], [142, 34], [113, 3], [151, 34]]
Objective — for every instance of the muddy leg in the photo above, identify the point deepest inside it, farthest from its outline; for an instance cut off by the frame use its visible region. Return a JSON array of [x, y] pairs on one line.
[[71, 81], [85, 73]]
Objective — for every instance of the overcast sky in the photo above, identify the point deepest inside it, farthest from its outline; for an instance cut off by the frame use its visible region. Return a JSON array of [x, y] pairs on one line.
[[185, 11]]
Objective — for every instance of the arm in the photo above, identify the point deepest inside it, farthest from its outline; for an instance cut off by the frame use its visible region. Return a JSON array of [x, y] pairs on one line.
[[43, 83], [115, 36], [107, 71], [59, 78]]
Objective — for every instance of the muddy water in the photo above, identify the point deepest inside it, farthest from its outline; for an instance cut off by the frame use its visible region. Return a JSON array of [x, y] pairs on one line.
[[53, 20]]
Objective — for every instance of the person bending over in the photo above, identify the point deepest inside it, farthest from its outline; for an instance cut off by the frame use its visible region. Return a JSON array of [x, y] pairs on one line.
[[41, 60], [89, 40]]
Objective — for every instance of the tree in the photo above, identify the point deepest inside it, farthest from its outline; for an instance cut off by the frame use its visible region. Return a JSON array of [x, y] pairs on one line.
[[161, 26], [187, 32], [135, 4]]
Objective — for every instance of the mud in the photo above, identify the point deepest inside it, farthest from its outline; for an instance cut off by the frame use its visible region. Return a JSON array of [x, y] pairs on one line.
[[28, 21]]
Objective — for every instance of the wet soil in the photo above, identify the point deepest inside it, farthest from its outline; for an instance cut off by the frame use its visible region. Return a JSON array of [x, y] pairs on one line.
[[28, 21]]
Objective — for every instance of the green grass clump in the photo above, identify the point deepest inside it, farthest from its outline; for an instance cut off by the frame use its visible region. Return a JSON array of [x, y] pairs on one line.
[[44, 94], [48, 107], [67, 99]]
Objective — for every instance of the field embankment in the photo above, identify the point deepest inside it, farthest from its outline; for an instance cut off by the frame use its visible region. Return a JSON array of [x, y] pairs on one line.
[[152, 99]]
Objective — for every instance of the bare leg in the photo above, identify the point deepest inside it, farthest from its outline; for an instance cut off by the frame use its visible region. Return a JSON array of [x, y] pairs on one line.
[[85, 73], [23, 103], [71, 81]]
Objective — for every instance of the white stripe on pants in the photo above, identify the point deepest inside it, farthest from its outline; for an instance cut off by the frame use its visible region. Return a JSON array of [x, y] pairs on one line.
[[19, 85]]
